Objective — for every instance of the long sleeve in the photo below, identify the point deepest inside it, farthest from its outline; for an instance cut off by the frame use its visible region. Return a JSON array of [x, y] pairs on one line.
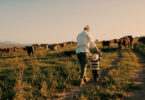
[[92, 43], [84, 40]]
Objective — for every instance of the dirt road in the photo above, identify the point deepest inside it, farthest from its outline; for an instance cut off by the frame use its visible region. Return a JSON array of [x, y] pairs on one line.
[[77, 90], [138, 78]]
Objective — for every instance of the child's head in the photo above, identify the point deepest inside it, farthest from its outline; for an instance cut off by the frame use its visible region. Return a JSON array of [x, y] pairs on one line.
[[95, 57]]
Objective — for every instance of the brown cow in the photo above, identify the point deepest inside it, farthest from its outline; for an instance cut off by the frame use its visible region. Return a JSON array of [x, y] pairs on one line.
[[53, 47], [126, 42], [9, 50], [62, 45], [45, 46], [116, 40], [15, 49], [120, 43], [130, 41]]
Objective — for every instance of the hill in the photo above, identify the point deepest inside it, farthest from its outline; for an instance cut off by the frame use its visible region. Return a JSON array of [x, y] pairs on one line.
[[50, 75], [10, 44]]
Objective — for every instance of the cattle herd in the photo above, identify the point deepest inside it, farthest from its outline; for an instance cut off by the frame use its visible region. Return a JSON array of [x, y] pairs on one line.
[[30, 49], [127, 41]]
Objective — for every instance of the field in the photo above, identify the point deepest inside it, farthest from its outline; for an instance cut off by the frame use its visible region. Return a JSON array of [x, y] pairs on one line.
[[48, 74]]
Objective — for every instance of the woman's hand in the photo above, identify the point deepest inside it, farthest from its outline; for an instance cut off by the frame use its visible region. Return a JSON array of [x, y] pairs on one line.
[[100, 53]]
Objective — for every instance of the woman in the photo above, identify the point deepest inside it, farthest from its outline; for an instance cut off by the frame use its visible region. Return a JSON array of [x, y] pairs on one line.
[[84, 40]]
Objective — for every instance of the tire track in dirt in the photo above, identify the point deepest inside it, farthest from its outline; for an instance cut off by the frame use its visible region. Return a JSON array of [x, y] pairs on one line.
[[138, 78], [77, 90]]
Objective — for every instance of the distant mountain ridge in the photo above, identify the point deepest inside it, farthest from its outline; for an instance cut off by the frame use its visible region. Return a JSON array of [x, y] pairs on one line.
[[10, 44]]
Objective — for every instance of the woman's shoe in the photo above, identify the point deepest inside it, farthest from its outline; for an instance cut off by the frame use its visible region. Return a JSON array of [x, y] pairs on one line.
[[87, 79]]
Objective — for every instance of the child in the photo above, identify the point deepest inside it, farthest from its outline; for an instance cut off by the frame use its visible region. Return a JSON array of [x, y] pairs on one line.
[[95, 66]]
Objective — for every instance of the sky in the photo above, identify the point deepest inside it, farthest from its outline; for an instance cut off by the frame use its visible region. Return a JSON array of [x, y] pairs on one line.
[[53, 21]]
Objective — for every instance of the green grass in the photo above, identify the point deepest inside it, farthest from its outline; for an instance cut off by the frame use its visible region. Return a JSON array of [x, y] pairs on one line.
[[117, 80], [139, 47], [38, 76], [47, 72]]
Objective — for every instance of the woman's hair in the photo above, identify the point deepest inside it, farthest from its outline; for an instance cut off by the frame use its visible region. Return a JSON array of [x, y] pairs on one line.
[[87, 27]]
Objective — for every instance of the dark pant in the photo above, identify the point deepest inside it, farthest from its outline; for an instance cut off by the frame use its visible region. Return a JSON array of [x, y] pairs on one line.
[[96, 74], [83, 60]]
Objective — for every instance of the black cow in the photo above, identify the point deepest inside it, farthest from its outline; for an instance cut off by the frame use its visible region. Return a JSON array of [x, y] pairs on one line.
[[30, 50], [69, 53], [142, 40], [3, 50], [106, 44]]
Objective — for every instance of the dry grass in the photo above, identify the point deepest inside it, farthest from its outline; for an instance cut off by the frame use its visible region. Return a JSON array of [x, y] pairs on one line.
[[116, 81], [139, 47], [48, 72]]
